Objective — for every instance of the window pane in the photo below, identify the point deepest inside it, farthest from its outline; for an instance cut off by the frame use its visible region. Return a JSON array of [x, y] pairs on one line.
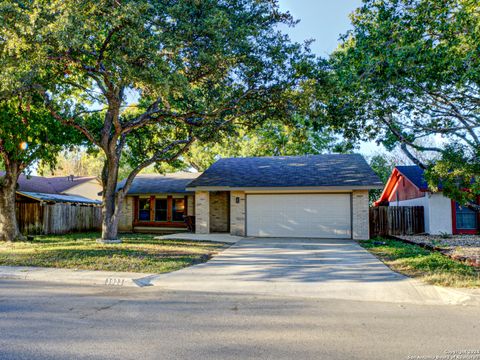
[[178, 209], [466, 218], [144, 209], [161, 210]]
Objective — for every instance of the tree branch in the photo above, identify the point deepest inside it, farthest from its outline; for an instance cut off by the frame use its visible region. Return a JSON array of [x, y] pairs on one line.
[[68, 122], [412, 158], [106, 42], [158, 156]]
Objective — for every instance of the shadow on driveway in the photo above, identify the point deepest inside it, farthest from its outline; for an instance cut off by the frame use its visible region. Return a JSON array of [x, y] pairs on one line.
[[310, 268]]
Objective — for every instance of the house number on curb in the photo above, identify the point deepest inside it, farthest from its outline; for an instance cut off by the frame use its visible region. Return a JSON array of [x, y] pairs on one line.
[[114, 281]]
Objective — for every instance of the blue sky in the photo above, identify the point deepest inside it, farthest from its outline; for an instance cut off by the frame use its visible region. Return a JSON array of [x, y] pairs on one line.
[[324, 21]]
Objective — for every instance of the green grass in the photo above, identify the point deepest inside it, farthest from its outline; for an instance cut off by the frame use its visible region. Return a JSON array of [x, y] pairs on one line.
[[136, 253], [429, 266]]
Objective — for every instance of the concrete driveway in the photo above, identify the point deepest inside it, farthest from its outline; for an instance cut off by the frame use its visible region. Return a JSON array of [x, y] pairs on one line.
[[318, 268]]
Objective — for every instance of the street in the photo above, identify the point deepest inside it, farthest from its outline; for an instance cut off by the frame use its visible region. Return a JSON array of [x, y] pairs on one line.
[[59, 321]]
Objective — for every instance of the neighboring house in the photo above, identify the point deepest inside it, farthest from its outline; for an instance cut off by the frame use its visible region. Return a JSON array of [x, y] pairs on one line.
[[318, 196], [60, 189], [57, 205], [407, 187]]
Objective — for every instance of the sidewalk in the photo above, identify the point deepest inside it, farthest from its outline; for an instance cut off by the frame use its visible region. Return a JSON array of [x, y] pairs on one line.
[[201, 278], [81, 277]]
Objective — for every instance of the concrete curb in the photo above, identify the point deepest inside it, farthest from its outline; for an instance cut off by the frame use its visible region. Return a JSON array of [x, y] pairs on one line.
[[454, 296], [430, 294], [80, 277]]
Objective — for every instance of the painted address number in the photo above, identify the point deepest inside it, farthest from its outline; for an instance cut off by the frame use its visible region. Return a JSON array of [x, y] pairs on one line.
[[114, 281]]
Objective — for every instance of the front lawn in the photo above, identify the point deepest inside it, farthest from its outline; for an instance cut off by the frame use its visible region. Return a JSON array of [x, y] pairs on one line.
[[137, 253], [429, 266]]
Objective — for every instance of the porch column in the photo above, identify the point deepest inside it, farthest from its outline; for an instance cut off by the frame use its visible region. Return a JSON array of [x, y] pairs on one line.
[[237, 213], [202, 212], [360, 215]]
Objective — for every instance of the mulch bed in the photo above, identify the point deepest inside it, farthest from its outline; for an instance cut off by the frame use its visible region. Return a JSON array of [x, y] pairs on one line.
[[465, 248]]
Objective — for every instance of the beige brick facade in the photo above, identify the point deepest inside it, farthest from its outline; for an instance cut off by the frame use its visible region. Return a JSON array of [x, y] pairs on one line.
[[202, 211], [360, 215], [219, 211], [191, 205], [237, 213], [126, 215]]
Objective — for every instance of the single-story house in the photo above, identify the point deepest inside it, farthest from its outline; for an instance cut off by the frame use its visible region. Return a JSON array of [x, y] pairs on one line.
[[57, 205], [320, 196], [158, 202], [407, 187], [80, 190]]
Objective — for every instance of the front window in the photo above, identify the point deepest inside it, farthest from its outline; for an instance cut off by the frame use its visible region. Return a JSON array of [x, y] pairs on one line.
[[178, 209], [144, 209], [466, 218], [161, 209]]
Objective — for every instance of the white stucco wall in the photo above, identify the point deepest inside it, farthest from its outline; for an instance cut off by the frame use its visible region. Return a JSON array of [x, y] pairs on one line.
[[437, 209], [440, 211]]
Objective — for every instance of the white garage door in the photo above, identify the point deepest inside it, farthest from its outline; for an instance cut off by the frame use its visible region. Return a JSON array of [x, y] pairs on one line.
[[301, 215]]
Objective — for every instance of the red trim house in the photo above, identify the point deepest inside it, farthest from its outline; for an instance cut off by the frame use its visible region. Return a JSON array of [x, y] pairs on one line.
[[407, 187], [158, 202]]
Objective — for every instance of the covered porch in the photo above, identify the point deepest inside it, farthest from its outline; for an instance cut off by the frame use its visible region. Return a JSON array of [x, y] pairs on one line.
[[220, 212]]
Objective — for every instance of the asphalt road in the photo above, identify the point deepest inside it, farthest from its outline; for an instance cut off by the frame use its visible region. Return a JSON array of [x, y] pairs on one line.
[[55, 321]]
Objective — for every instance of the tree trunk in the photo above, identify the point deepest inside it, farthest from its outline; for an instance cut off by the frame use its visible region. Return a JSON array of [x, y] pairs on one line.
[[9, 230], [109, 212]]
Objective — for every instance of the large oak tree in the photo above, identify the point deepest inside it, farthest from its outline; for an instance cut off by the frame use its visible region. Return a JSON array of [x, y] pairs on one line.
[[408, 71], [146, 78]]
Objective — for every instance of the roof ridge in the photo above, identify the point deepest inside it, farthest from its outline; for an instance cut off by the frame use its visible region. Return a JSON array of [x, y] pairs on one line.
[[170, 174], [289, 156]]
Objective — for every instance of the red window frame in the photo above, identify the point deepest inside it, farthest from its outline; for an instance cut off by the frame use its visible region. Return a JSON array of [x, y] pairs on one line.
[[152, 222], [456, 231]]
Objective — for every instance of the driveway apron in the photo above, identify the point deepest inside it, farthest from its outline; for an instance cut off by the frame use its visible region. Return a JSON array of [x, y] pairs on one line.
[[312, 268]]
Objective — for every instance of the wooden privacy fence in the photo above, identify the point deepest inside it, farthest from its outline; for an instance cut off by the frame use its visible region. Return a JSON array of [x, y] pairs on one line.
[[396, 220], [35, 218]]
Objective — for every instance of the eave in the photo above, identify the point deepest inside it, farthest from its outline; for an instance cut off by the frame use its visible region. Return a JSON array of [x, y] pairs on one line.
[[284, 188]]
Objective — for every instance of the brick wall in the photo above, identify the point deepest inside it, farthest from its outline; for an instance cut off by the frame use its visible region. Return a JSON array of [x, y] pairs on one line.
[[360, 212], [219, 212], [191, 205], [202, 212], [126, 217], [237, 213]]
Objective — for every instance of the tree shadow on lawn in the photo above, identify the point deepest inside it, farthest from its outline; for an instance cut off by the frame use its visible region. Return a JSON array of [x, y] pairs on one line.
[[75, 239], [104, 259]]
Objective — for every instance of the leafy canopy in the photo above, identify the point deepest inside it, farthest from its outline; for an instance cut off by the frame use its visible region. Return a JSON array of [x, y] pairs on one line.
[[409, 71], [28, 133], [144, 79], [189, 66]]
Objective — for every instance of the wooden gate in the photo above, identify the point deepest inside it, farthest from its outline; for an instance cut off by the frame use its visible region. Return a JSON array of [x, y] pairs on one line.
[[396, 220]]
